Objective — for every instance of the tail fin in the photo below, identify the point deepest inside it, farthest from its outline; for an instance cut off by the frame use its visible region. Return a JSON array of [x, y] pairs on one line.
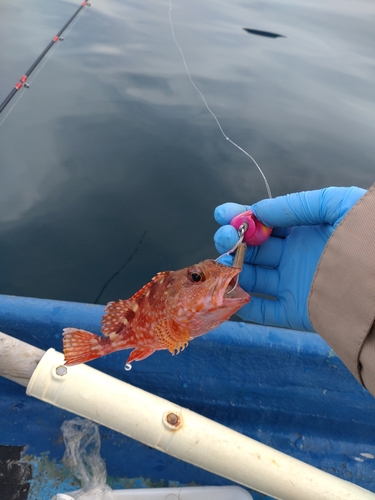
[[80, 346]]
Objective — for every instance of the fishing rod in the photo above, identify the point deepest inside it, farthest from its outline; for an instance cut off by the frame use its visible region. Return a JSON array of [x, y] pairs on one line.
[[22, 81]]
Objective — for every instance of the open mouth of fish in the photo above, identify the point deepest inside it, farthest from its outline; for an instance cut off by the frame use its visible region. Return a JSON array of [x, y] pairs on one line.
[[233, 290], [228, 291]]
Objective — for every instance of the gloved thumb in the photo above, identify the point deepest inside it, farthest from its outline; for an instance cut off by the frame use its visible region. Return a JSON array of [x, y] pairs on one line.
[[323, 206]]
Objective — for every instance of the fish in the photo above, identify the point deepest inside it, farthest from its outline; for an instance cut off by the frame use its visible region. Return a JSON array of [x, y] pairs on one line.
[[172, 309]]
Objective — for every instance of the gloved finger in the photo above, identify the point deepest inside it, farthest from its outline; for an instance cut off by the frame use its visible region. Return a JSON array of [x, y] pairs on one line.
[[227, 260], [268, 254], [281, 232], [273, 313], [225, 238], [323, 206], [256, 279], [224, 213], [262, 311]]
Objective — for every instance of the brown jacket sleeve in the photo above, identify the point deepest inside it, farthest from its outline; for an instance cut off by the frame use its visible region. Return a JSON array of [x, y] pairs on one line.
[[342, 295]]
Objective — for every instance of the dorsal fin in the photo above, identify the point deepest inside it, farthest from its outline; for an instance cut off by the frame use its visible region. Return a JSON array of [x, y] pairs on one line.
[[146, 288], [119, 315]]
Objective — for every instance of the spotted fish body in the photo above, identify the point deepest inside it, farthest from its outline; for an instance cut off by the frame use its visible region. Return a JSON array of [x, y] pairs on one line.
[[168, 312]]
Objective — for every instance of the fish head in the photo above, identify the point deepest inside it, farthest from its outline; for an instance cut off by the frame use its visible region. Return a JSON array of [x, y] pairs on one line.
[[202, 296]]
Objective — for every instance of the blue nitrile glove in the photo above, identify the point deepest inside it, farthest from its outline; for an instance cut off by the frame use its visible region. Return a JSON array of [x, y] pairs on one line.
[[284, 266]]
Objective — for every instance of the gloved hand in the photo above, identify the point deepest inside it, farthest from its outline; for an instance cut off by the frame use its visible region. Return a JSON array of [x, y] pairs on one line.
[[284, 266]]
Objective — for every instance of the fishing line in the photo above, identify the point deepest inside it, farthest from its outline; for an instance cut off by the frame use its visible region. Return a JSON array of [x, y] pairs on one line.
[[22, 82], [120, 269], [208, 107], [16, 101]]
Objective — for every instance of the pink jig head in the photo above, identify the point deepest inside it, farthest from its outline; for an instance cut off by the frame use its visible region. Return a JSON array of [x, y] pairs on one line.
[[256, 232]]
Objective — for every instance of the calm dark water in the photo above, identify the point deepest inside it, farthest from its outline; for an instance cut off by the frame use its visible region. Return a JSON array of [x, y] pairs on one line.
[[112, 141]]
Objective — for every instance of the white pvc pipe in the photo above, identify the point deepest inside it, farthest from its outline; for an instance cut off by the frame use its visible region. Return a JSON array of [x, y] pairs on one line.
[[183, 434]]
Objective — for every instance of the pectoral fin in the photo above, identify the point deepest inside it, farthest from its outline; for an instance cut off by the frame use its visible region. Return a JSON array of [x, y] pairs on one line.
[[172, 337]]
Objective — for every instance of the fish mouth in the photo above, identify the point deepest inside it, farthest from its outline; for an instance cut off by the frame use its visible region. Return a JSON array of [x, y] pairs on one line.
[[234, 291], [227, 291]]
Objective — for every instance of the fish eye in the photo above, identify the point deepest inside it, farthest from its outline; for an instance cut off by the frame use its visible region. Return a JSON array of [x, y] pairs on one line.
[[196, 275]]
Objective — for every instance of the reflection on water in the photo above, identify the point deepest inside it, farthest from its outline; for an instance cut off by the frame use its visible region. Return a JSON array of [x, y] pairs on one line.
[[267, 34], [111, 140]]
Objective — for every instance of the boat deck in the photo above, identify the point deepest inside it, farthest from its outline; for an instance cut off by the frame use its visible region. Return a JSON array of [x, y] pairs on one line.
[[283, 388]]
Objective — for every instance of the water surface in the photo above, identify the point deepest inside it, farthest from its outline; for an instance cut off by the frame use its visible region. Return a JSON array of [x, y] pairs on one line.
[[112, 142]]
